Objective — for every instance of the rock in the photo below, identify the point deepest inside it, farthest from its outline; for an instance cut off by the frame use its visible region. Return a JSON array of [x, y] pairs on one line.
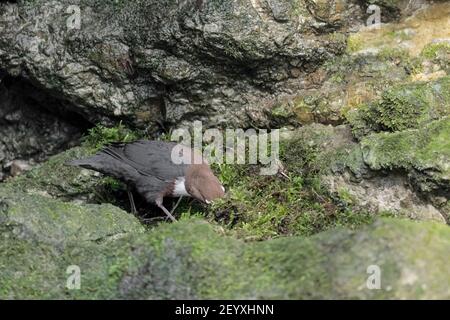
[[40, 218], [398, 172], [28, 130], [424, 153], [280, 9], [17, 167], [341, 85], [57, 180], [371, 138], [403, 107], [380, 194], [190, 260], [169, 69]]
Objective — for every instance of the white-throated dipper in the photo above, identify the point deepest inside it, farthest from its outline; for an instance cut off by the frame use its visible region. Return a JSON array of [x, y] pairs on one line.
[[157, 169]]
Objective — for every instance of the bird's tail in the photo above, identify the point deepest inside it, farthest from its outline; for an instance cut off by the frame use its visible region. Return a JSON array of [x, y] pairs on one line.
[[91, 163], [108, 161]]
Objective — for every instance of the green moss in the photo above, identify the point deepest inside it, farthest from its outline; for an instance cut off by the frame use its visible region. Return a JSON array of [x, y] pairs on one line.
[[433, 50], [191, 260], [100, 136], [346, 196], [49, 220], [56, 179], [300, 205], [425, 150], [354, 44], [403, 107], [412, 64]]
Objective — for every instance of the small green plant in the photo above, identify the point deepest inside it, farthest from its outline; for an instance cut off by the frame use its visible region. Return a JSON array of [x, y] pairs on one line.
[[354, 43], [112, 184], [227, 173], [100, 135]]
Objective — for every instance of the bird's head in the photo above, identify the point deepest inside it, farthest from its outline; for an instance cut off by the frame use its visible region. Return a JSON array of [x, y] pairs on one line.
[[202, 184]]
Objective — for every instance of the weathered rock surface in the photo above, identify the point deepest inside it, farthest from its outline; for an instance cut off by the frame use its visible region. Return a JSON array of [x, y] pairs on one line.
[[234, 63], [172, 61], [410, 52], [41, 238]]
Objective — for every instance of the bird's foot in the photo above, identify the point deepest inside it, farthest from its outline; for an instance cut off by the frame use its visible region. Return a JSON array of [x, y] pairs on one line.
[[176, 205], [161, 206]]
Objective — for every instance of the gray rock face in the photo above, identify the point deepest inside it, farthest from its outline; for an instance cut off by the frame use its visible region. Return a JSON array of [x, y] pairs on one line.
[[171, 61]]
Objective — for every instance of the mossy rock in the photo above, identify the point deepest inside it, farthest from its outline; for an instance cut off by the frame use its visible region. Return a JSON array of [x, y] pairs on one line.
[[56, 179], [379, 176], [403, 107], [41, 237], [52, 221], [190, 259], [424, 153]]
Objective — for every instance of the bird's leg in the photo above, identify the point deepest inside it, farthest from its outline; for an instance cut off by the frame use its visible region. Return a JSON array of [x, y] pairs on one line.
[[176, 205], [132, 204], [159, 203]]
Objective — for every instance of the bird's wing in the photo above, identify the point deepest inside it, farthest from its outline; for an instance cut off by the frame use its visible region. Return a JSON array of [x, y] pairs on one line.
[[112, 161], [110, 165], [154, 158]]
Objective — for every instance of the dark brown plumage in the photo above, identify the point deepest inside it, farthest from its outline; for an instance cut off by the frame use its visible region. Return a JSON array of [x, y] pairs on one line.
[[148, 166]]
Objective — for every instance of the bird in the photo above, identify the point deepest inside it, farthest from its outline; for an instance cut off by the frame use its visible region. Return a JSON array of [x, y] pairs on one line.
[[157, 169]]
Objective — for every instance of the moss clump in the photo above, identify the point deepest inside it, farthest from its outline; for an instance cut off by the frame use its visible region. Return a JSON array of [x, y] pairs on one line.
[[354, 43], [403, 107], [438, 53], [413, 65], [100, 136]]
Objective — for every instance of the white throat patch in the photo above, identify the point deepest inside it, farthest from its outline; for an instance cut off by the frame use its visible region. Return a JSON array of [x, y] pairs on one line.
[[180, 188]]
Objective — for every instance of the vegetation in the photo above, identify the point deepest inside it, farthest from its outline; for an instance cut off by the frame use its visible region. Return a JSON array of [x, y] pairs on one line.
[[261, 207], [433, 50], [403, 107], [100, 135]]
